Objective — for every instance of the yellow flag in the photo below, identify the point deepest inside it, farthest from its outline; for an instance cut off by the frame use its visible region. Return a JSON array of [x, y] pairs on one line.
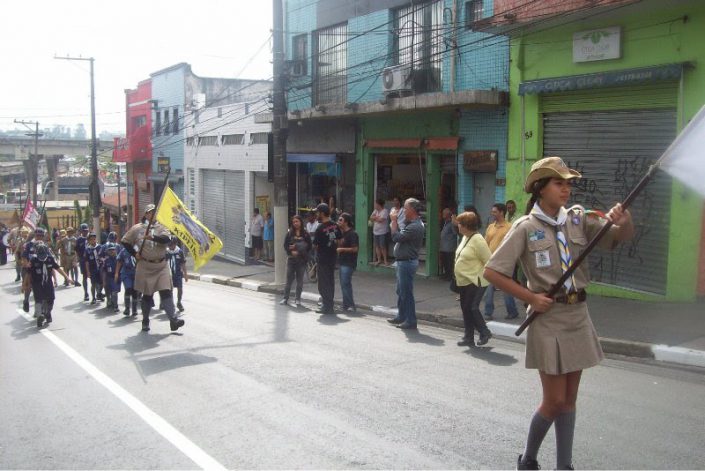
[[201, 242]]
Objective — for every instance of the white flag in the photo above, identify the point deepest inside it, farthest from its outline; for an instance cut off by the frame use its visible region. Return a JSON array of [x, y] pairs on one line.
[[685, 157]]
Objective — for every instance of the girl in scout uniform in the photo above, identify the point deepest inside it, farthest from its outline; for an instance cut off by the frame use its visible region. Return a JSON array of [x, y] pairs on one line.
[[562, 341]]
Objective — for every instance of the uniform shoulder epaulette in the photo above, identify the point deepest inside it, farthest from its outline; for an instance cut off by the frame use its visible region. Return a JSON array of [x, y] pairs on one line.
[[520, 220], [576, 208]]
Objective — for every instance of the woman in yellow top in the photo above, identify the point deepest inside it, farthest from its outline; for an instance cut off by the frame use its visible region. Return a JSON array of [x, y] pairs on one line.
[[470, 258]]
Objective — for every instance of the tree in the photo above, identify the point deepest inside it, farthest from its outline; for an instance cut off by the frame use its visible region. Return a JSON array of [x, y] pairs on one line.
[[87, 215], [77, 211], [80, 132]]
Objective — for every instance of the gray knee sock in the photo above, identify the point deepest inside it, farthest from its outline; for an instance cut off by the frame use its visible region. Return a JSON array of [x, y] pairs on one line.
[[565, 428], [537, 431]]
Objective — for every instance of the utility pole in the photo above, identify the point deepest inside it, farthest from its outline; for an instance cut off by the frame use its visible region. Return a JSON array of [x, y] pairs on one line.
[[33, 168], [279, 133], [95, 200]]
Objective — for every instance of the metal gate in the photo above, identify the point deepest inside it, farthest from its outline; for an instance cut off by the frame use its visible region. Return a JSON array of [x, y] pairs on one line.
[[222, 210], [613, 150], [212, 204], [234, 245], [144, 197]]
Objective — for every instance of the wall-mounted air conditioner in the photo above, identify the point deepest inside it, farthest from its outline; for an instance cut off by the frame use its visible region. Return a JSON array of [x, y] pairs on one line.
[[396, 79]]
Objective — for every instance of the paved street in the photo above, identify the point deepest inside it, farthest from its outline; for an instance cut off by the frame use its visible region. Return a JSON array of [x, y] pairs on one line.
[[251, 384]]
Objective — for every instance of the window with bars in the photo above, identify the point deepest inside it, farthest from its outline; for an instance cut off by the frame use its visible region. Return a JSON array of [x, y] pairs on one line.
[[167, 128], [259, 138], [474, 11], [299, 66], [158, 124], [330, 65], [419, 43], [190, 141], [233, 139], [208, 141], [175, 120]]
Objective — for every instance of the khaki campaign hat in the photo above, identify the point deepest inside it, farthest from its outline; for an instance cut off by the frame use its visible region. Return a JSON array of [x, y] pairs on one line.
[[149, 207], [549, 167]]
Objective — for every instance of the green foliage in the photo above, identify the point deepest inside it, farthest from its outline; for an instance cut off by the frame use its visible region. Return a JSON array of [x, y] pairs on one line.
[[77, 212], [87, 214]]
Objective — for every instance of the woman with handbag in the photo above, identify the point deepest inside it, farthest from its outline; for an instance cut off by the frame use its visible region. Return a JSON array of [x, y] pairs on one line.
[[297, 245], [470, 258]]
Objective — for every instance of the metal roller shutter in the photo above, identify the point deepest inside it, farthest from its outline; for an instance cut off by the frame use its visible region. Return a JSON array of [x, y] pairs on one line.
[[143, 199], [234, 243], [613, 149], [212, 208]]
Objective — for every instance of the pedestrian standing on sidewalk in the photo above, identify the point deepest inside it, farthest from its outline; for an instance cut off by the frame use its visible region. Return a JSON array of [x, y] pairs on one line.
[[448, 243], [326, 242], [494, 236], [256, 230], [562, 341], [380, 228], [3, 248], [407, 243], [268, 237], [347, 259], [297, 245], [511, 215], [471, 257]]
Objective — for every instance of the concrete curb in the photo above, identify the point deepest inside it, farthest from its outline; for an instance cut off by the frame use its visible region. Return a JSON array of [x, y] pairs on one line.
[[663, 353]]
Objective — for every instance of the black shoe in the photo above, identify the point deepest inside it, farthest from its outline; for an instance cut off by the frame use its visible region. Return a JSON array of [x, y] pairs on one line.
[[484, 338], [395, 321], [47, 319], [180, 307], [85, 298], [145, 326], [126, 312], [93, 301], [77, 283], [466, 342], [407, 326], [527, 464], [17, 279], [116, 309], [176, 324], [40, 321], [25, 305], [325, 311]]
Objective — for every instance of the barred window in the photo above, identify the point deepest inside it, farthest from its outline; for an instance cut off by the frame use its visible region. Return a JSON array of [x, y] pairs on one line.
[[331, 61], [190, 141], [233, 139], [158, 124], [208, 141], [259, 138], [419, 43], [175, 120], [167, 128], [474, 11]]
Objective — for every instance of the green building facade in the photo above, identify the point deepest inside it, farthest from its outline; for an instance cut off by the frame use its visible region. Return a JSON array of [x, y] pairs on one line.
[[608, 93]]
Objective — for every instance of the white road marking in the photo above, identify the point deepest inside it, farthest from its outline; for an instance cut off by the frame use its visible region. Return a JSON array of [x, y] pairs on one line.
[[161, 426]]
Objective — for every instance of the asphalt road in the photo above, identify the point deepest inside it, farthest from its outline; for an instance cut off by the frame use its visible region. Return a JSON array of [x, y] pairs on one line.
[[251, 384]]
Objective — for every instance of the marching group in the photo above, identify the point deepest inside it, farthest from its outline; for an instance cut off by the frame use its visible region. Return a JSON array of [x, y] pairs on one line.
[[142, 264]]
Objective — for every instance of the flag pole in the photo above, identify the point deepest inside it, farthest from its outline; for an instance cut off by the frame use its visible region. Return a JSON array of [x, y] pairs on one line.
[[154, 215], [589, 248]]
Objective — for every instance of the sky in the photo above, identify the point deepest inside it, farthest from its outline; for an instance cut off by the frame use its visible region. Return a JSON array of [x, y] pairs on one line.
[[129, 40]]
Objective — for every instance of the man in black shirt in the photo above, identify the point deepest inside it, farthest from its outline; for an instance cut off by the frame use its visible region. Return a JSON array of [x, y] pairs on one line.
[[326, 242], [347, 258]]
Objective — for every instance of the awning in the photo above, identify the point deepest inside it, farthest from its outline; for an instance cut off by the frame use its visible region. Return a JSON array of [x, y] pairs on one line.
[[311, 158], [393, 143], [442, 143], [614, 78]]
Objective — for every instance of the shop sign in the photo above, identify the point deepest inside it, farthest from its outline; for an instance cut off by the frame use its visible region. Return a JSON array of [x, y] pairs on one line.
[[597, 44], [163, 164], [480, 161]]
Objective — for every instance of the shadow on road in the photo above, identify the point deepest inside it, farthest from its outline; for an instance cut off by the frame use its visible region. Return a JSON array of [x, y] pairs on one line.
[[493, 358], [414, 336], [170, 362], [331, 319], [22, 328]]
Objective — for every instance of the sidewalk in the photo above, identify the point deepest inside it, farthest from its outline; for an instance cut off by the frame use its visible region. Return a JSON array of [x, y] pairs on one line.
[[671, 332]]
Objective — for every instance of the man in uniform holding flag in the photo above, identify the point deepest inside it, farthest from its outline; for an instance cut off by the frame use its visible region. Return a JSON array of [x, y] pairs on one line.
[[152, 272]]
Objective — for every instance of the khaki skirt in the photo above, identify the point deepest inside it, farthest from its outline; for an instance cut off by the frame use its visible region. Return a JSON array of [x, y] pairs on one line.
[[563, 340], [152, 277]]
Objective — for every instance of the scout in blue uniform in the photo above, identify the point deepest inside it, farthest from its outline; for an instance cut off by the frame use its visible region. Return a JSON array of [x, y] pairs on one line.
[[177, 264], [112, 285], [81, 252], [28, 249], [91, 264], [562, 341], [41, 265], [125, 274]]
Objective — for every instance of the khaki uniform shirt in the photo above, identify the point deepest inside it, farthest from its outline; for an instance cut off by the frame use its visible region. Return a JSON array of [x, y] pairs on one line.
[[152, 273], [563, 339]]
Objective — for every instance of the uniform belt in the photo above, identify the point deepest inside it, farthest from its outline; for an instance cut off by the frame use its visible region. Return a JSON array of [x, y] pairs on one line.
[[571, 298], [154, 261]]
